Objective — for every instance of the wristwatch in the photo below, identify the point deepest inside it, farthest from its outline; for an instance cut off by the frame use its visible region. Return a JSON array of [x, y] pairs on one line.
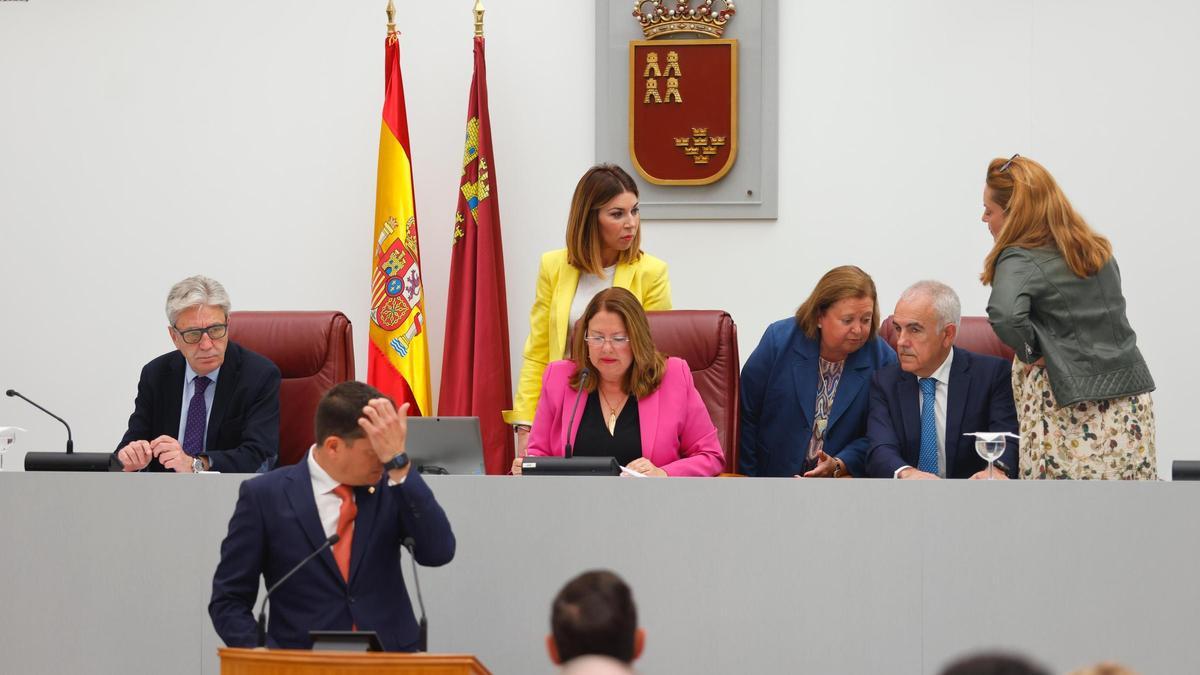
[[197, 464], [398, 462]]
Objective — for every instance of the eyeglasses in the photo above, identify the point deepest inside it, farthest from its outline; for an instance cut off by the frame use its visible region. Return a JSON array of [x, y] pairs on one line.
[[194, 335], [618, 341], [1004, 166]]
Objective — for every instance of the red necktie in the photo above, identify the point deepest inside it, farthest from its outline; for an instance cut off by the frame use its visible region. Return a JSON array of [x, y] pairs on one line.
[[345, 530]]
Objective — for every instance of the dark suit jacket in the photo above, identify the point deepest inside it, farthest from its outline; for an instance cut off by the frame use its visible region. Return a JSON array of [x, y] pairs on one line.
[[979, 399], [275, 525], [779, 397], [243, 426]]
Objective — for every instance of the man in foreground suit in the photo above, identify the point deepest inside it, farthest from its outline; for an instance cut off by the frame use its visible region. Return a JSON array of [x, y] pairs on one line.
[[210, 404], [355, 482], [594, 615], [921, 407]]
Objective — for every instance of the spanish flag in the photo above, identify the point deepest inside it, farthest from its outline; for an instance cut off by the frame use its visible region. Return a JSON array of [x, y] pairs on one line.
[[398, 356]]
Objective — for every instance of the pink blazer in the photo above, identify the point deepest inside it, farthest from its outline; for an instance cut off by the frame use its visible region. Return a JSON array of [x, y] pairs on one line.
[[678, 436]]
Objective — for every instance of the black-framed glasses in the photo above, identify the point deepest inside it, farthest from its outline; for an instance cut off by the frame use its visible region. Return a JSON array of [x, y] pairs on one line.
[[1004, 166], [195, 335], [598, 341]]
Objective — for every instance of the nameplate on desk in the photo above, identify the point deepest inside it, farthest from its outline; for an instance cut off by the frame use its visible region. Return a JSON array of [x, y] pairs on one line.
[[71, 461], [570, 466]]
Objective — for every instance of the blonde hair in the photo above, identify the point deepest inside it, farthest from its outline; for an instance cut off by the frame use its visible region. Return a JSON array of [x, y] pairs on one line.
[[1037, 214], [838, 283], [646, 372], [598, 186]]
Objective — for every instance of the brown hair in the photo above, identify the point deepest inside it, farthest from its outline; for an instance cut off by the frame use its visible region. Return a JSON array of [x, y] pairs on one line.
[[994, 663], [838, 283], [1037, 214], [340, 408], [594, 613], [646, 372], [599, 185]]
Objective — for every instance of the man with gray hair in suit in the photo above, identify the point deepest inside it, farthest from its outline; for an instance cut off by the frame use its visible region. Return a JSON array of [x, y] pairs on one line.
[[209, 405], [922, 406]]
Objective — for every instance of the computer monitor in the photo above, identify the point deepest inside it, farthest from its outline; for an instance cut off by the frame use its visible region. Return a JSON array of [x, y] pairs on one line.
[[345, 641], [445, 445]]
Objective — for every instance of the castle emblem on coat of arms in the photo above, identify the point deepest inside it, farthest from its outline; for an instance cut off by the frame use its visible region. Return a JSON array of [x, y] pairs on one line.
[[396, 285]]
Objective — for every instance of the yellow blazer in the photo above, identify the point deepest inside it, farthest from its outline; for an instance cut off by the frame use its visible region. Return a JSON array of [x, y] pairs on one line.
[[646, 278]]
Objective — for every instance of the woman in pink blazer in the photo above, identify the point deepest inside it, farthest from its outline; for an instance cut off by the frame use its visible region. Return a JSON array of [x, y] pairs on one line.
[[628, 401]]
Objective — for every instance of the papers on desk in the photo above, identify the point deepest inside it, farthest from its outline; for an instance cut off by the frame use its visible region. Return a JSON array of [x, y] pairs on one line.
[[991, 436]]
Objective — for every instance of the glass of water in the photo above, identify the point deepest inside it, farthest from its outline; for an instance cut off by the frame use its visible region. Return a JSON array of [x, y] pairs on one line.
[[8, 437], [990, 451]]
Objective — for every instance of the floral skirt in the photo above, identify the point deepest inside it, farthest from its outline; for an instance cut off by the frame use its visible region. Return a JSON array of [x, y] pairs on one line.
[[1109, 440]]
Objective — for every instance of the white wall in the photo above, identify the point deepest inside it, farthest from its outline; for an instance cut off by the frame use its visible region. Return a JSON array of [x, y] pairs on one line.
[[141, 142]]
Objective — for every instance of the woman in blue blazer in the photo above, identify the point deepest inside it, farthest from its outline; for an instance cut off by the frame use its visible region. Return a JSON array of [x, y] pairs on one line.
[[806, 387]]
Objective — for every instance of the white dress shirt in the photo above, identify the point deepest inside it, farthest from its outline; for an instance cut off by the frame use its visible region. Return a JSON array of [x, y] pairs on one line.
[[329, 505], [941, 392]]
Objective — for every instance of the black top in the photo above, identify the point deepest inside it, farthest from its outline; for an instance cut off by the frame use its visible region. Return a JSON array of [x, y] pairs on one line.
[[593, 439]]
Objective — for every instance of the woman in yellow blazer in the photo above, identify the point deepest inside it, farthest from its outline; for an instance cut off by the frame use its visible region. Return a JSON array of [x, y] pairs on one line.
[[603, 250]]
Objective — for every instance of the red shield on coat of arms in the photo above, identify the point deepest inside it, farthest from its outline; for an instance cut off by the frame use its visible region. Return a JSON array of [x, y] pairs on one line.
[[683, 109]]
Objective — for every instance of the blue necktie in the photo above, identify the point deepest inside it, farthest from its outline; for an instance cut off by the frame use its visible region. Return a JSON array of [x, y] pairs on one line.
[[197, 419], [928, 460]]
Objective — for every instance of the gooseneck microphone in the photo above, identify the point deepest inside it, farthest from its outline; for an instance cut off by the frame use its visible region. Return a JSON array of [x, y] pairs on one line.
[[262, 610], [423, 624], [568, 465], [583, 376], [70, 443]]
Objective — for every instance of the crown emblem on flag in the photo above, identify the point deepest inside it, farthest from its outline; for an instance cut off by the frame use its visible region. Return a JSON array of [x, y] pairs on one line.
[[657, 20]]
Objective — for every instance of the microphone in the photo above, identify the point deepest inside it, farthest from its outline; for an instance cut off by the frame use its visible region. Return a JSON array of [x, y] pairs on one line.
[[262, 610], [583, 376], [423, 625], [70, 443]]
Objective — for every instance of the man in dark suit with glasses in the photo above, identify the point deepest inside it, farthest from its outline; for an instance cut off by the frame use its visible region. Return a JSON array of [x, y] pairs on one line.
[[210, 405]]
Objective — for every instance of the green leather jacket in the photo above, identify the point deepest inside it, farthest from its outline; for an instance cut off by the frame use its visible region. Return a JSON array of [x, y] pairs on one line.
[[1041, 309]]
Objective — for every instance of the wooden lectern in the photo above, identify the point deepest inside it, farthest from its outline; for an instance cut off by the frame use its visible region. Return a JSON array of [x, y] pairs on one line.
[[304, 662]]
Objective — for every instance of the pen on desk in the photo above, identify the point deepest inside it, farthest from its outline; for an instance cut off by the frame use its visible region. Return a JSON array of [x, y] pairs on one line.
[[630, 472]]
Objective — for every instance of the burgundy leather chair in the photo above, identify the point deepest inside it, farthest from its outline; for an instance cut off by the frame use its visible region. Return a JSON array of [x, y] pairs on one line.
[[313, 350], [707, 340], [975, 334]]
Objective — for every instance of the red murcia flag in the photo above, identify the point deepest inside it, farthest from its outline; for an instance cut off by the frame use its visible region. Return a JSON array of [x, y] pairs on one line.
[[683, 109], [476, 372]]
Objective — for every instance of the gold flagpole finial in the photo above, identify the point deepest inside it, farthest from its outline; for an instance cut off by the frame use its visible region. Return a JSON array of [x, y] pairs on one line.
[[391, 14], [478, 18]]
